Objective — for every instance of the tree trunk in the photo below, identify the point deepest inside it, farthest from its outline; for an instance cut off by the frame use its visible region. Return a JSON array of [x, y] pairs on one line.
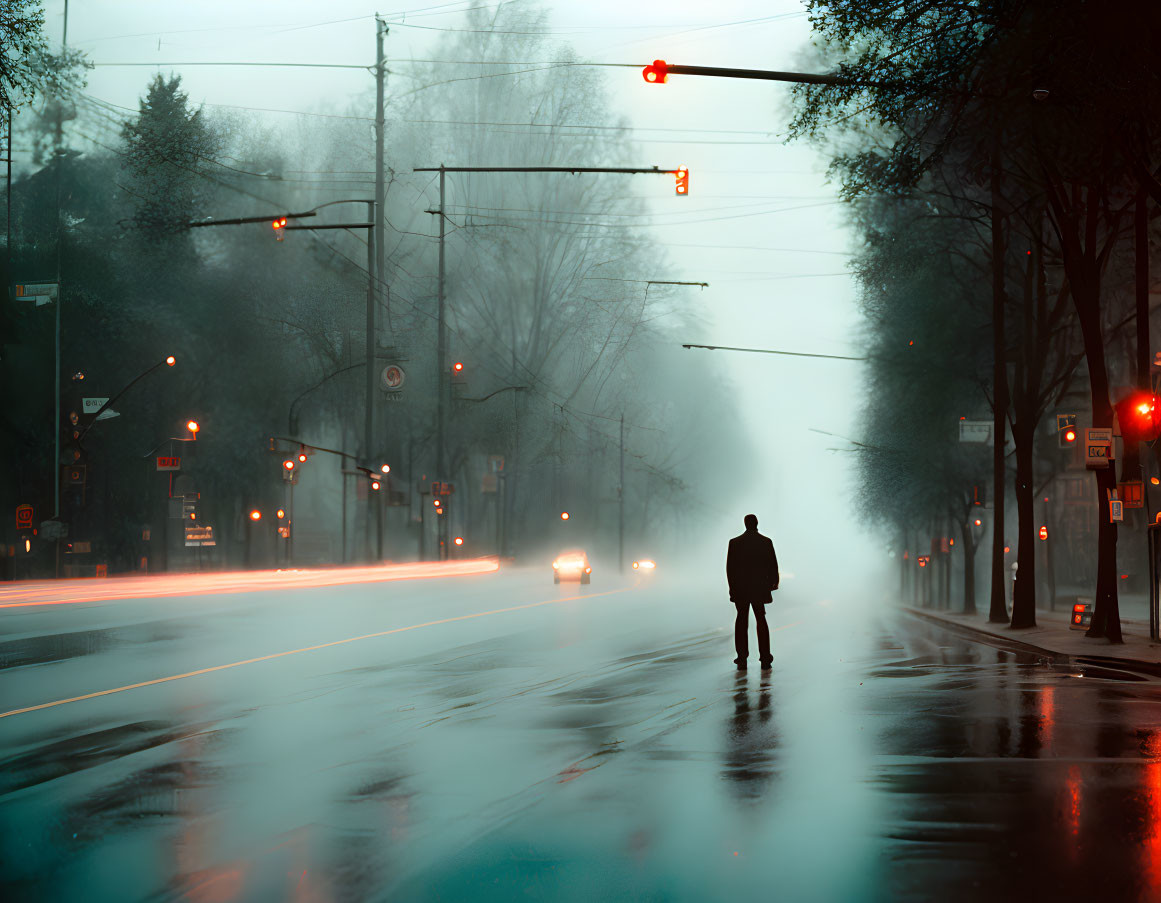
[[969, 568], [999, 609], [1024, 591]]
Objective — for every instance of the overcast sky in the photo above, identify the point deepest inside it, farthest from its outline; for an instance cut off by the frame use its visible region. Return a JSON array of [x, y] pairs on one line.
[[761, 224]]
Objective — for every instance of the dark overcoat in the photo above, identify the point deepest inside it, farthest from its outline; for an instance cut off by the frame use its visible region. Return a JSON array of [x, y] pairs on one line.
[[751, 568]]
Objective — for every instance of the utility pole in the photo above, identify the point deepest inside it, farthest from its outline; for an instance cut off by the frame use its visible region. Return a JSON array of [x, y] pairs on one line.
[[380, 140], [441, 345], [56, 424], [621, 504]]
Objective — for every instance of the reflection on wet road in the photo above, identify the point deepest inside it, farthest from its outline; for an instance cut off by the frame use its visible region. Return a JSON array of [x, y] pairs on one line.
[[493, 737]]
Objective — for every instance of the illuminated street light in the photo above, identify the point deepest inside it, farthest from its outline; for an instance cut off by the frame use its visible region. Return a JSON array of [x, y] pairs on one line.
[[375, 485], [193, 427], [459, 540], [564, 515], [280, 514], [171, 360], [386, 468], [288, 464]]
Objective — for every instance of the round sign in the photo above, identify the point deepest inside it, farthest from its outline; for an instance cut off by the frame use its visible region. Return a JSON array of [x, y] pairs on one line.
[[391, 379]]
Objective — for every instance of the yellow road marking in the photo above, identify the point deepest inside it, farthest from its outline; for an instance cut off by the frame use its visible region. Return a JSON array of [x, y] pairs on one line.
[[263, 658]]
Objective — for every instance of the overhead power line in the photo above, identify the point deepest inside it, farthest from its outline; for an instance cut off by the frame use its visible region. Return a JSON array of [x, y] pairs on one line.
[[833, 357]]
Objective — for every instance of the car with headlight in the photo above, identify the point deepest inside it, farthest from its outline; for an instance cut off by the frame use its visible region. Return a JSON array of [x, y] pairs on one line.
[[572, 565], [645, 565]]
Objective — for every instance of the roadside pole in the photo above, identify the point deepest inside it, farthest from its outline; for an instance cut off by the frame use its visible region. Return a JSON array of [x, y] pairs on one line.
[[621, 504]]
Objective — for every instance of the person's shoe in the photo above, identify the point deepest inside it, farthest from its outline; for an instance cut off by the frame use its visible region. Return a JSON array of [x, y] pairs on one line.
[[767, 666], [741, 663]]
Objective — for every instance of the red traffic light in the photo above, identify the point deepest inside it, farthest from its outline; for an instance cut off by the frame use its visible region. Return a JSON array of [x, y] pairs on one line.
[[682, 175], [1043, 532], [657, 73], [459, 540], [170, 361], [280, 513], [279, 223], [375, 485], [288, 464], [1140, 416], [255, 514], [458, 367]]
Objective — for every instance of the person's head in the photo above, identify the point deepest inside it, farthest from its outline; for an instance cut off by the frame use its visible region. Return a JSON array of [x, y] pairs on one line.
[[751, 521]]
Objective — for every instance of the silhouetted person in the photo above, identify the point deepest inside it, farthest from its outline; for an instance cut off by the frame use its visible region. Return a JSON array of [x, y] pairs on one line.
[[752, 572]]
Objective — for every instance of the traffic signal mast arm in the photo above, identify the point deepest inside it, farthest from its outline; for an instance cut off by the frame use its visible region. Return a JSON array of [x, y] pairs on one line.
[[658, 71], [575, 169], [241, 221]]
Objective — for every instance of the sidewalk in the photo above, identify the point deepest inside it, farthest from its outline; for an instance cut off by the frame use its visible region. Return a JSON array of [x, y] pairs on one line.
[[1053, 636]]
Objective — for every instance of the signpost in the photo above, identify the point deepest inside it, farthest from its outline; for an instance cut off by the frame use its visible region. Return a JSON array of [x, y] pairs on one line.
[[975, 432], [1098, 447], [392, 378], [43, 292], [165, 462], [1065, 421], [199, 537]]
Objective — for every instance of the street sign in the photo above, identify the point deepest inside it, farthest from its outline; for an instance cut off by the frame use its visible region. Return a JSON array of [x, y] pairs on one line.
[[495, 463], [79, 547], [24, 517], [1098, 447], [442, 487], [1116, 510], [1132, 494], [43, 292], [168, 463], [488, 482], [392, 377], [199, 537], [92, 405], [1064, 421], [975, 432]]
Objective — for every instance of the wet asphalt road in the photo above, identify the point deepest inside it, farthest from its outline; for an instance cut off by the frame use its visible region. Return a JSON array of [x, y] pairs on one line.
[[596, 746]]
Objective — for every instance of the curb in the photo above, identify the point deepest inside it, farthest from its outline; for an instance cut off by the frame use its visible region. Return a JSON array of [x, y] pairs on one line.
[[1153, 669]]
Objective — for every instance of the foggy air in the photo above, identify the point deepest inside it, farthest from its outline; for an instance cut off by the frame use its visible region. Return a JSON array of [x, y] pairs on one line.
[[526, 450]]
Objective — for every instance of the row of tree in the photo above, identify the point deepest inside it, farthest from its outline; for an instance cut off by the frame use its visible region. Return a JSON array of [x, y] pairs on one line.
[[543, 295], [1001, 163]]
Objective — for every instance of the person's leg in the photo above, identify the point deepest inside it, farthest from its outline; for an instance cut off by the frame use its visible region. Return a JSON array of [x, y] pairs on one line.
[[763, 633], [741, 629]]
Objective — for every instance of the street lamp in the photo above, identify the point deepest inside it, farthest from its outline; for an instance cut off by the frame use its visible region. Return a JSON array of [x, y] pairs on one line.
[[193, 426]]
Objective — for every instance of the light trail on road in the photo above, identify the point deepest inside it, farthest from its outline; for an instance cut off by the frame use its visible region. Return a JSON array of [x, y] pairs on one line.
[[97, 589], [274, 655]]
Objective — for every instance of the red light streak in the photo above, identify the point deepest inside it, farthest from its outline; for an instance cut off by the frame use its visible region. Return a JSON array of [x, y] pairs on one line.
[[106, 589]]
